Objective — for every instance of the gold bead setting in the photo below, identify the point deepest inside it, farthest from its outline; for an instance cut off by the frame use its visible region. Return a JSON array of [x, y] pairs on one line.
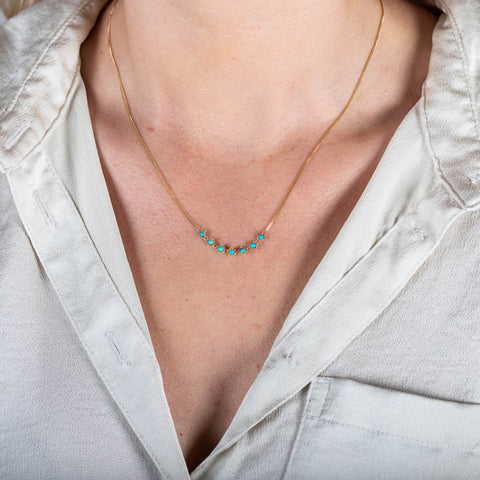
[[232, 251]]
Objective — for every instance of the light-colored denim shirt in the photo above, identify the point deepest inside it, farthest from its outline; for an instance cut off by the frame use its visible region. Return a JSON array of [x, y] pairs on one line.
[[376, 371]]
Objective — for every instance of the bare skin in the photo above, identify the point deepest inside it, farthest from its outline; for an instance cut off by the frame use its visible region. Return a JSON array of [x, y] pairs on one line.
[[230, 107]]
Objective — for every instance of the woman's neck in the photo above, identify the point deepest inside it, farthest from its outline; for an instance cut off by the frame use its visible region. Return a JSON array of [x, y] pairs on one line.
[[242, 70], [253, 44]]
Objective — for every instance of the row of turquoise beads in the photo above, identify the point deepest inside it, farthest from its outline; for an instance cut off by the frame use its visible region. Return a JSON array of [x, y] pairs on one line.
[[231, 251]]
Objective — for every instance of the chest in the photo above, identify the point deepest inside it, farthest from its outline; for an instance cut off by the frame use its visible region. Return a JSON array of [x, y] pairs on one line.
[[213, 318]]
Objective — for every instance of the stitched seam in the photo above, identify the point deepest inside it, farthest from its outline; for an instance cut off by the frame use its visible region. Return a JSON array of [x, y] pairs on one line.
[[301, 428], [328, 400], [390, 434], [437, 163], [326, 404]]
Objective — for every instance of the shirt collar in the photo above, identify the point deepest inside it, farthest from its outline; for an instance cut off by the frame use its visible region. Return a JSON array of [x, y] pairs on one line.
[[452, 98]]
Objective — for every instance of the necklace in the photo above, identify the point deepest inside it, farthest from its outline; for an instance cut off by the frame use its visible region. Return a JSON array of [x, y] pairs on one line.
[[261, 235]]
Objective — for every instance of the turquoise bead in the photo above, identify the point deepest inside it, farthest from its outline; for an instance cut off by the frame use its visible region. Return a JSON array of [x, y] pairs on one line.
[[243, 250], [231, 251], [253, 245], [202, 234], [261, 236], [210, 242], [220, 248]]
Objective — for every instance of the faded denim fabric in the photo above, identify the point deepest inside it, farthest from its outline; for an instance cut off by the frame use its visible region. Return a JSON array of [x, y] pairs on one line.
[[374, 374]]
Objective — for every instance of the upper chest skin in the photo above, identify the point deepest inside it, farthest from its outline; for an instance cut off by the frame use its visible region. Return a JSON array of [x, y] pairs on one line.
[[212, 318]]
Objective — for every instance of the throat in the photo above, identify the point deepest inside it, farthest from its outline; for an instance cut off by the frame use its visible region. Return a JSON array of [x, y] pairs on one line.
[[229, 69]]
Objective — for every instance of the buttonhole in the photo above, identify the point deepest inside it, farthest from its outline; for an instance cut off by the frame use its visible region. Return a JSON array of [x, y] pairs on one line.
[[290, 358], [120, 357], [475, 178], [16, 134], [47, 216], [418, 233]]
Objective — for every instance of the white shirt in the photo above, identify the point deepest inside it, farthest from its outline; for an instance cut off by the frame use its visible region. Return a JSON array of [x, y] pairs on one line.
[[375, 373]]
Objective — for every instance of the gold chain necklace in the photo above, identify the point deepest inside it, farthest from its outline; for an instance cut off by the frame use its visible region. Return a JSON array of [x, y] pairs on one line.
[[261, 235]]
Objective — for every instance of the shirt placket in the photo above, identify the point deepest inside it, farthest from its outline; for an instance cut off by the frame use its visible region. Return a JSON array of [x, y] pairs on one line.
[[114, 343]]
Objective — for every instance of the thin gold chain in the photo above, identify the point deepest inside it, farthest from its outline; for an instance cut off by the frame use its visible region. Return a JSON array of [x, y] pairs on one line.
[[297, 176]]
